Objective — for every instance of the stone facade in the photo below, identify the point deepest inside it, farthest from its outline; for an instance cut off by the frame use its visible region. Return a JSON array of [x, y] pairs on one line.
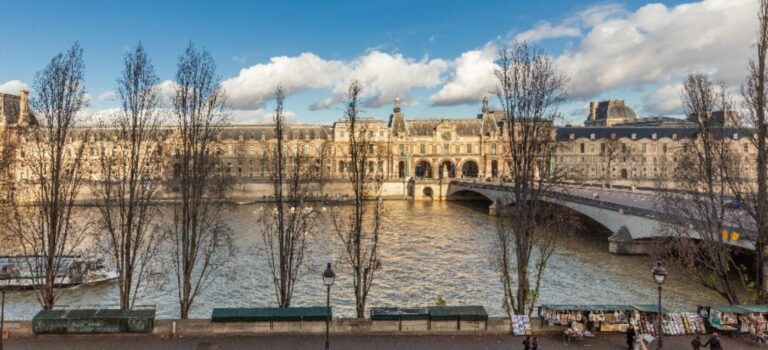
[[616, 147]]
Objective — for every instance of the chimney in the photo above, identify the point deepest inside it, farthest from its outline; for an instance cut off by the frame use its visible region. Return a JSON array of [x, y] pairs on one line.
[[24, 108], [592, 110]]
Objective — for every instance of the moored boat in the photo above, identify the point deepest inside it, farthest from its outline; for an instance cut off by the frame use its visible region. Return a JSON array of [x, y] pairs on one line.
[[26, 272]]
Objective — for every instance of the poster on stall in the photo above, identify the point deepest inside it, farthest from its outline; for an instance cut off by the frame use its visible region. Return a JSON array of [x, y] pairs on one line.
[[521, 325]]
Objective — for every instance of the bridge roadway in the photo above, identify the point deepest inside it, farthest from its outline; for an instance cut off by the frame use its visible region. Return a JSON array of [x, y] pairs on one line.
[[633, 216]]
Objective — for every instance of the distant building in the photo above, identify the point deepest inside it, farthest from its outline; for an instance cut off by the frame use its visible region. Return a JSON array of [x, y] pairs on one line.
[[609, 113], [615, 146]]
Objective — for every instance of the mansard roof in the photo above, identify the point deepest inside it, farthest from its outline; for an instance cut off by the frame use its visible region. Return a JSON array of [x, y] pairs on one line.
[[641, 132]]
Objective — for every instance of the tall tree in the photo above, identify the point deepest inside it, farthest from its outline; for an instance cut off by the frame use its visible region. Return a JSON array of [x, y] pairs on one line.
[[707, 168], [52, 161], [754, 92], [529, 90], [610, 152], [359, 229], [290, 219], [200, 235], [130, 170]]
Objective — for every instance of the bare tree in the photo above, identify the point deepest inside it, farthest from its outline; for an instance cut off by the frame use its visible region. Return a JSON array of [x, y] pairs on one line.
[[200, 235], [707, 166], [51, 160], [359, 229], [290, 219], [529, 90], [130, 171], [610, 151], [755, 96]]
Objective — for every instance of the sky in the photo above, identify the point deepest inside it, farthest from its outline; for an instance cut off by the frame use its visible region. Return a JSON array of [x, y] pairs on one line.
[[437, 56]]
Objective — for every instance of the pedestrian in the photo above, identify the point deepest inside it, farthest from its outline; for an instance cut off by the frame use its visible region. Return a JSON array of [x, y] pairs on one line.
[[714, 342], [527, 343], [535, 344], [631, 337], [696, 342]]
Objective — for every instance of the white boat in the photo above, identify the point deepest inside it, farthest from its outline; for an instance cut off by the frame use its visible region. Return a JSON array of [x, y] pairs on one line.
[[25, 272]]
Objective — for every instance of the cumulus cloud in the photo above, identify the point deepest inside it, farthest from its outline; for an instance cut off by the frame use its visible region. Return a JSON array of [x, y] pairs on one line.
[[107, 96], [664, 100], [166, 91], [472, 78], [13, 87], [659, 43], [259, 116], [546, 30], [384, 76]]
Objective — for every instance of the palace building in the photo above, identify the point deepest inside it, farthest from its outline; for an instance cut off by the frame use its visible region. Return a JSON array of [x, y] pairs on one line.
[[615, 146]]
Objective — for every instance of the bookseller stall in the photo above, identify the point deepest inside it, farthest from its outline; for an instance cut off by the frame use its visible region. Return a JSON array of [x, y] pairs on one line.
[[605, 318], [644, 316], [754, 321], [736, 318]]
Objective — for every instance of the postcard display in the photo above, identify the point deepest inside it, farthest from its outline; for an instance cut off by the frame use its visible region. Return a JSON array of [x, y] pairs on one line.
[[616, 321], [677, 323], [521, 325], [753, 323]]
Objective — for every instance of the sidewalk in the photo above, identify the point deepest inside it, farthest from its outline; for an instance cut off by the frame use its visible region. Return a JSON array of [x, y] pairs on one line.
[[350, 342]]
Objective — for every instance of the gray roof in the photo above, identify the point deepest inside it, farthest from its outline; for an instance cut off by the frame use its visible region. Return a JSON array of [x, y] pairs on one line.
[[641, 132]]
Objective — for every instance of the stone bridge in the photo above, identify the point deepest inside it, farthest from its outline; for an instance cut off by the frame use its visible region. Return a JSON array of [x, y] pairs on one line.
[[633, 217]]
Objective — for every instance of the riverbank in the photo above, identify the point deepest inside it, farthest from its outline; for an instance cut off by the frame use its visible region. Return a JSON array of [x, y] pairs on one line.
[[343, 342]]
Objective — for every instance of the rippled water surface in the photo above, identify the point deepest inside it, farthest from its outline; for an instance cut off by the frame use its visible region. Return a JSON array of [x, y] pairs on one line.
[[428, 249]]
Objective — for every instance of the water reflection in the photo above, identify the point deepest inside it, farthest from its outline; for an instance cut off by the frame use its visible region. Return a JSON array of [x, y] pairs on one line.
[[428, 249]]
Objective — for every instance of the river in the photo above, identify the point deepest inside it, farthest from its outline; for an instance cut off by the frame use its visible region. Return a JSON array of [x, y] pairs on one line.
[[428, 249]]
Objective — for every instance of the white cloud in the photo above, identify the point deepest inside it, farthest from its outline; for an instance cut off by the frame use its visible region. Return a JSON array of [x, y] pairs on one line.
[[658, 43], [384, 77], [13, 87], [664, 100], [166, 91], [472, 78], [546, 30], [259, 116], [107, 96]]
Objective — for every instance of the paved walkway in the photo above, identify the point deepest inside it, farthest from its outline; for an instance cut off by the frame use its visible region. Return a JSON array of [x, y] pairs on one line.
[[364, 342]]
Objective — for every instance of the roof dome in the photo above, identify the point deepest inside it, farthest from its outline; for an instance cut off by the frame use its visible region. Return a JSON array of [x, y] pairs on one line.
[[621, 111]]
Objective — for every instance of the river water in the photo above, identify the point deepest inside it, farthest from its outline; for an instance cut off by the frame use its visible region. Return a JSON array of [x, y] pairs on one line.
[[428, 249]]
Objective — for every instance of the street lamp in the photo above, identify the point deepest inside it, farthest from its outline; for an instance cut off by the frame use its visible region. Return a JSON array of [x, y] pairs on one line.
[[328, 277], [659, 276]]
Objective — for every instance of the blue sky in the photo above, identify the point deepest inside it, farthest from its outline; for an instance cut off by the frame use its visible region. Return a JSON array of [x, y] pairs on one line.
[[430, 53]]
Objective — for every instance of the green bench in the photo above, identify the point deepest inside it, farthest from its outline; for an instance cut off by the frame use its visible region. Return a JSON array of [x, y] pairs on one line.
[[271, 314], [437, 318], [88, 321]]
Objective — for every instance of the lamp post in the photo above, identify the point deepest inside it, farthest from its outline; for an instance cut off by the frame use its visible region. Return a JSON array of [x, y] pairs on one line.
[[659, 276], [328, 277]]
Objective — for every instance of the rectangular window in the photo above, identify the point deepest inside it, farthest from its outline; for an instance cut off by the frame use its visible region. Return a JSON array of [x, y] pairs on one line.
[[434, 149], [401, 149], [381, 133], [581, 148], [252, 150], [493, 149], [229, 150], [664, 148], [644, 148], [469, 148], [446, 149], [746, 148], [422, 149]]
